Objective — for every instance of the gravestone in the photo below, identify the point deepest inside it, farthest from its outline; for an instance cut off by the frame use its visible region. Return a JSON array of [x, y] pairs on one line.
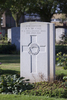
[[37, 51], [15, 37], [9, 35], [59, 33]]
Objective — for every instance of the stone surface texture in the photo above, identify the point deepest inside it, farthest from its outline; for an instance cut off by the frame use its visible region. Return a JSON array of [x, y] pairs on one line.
[[37, 51]]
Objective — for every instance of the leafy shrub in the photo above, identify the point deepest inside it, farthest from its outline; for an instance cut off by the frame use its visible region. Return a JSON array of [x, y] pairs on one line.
[[7, 49], [12, 84], [65, 83], [61, 60], [65, 79]]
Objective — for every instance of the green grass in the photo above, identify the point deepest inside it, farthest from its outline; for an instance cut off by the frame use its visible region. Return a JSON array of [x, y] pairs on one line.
[[60, 70], [10, 64], [10, 58], [27, 97], [11, 68]]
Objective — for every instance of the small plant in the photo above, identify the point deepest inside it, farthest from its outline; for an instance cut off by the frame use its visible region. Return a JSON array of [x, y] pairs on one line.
[[65, 79], [62, 60], [65, 83], [59, 59], [12, 84]]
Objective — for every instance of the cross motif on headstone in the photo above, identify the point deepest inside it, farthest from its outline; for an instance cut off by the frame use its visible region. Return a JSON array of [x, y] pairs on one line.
[[33, 49]]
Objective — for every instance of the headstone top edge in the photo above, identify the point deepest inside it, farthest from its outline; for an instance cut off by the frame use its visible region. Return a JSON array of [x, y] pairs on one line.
[[36, 23], [60, 28], [15, 27]]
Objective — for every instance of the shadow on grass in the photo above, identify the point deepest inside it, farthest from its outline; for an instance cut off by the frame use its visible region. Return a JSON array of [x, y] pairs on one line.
[[9, 72], [10, 58]]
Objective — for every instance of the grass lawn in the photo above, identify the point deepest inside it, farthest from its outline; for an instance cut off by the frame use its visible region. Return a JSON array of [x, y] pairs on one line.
[[10, 64], [9, 59], [60, 71], [26, 97]]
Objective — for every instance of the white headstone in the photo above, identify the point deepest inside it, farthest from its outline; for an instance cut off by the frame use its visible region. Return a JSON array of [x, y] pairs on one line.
[[59, 33], [37, 51], [15, 37], [9, 34]]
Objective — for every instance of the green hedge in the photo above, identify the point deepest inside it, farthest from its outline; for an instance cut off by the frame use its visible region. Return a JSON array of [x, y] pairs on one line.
[[61, 48], [7, 49]]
